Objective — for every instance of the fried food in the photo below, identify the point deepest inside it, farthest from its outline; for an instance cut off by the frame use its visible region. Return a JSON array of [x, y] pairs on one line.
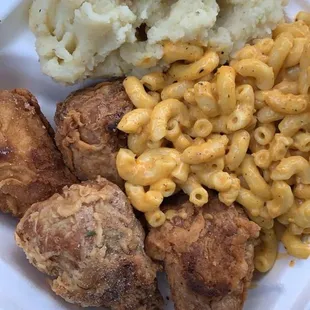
[[90, 242], [31, 168], [87, 133], [207, 253]]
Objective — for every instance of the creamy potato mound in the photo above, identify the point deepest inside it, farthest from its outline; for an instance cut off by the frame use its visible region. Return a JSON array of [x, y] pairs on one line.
[[77, 39]]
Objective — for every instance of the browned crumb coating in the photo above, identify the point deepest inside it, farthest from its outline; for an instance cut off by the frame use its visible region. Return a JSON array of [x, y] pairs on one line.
[[31, 167], [87, 133], [207, 253], [89, 241]]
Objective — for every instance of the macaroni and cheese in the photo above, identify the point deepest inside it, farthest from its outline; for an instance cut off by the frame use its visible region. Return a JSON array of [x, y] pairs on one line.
[[242, 129]]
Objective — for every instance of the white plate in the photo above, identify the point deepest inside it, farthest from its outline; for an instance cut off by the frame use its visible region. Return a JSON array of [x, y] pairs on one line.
[[22, 287], [7, 7]]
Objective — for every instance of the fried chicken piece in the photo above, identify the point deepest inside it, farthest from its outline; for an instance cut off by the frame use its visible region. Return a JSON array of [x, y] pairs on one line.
[[87, 133], [31, 167], [207, 253], [90, 242]]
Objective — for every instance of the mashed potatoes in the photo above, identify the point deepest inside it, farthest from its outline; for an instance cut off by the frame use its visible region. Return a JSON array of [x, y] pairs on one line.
[[77, 39]]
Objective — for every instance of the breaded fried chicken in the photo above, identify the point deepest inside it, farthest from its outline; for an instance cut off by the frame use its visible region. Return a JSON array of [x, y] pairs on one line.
[[31, 167], [87, 133], [207, 253], [89, 241]]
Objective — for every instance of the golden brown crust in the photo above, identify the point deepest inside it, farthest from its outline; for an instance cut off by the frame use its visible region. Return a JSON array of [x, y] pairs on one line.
[[90, 242], [87, 133], [31, 167], [207, 253]]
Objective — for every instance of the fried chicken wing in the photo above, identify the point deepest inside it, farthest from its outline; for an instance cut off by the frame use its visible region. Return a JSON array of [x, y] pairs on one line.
[[31, 168], [87, 133], [90, 242], [207, 253]]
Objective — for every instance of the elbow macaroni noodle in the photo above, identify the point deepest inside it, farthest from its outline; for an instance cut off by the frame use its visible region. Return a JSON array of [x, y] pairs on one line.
[[266, 252], [241, 129]]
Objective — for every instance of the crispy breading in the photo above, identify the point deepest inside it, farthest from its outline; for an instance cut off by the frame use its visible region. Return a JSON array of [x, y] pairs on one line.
[[31, 167], [207, 253], [87, 133], [89, 241]]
